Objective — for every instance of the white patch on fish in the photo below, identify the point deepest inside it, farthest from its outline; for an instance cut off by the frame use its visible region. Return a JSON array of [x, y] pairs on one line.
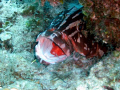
[[73, 24], [78, 40], [85, 48], [101, 52], [85, 45], [62, 24], [73, 34], [75, 16], [80, 35]]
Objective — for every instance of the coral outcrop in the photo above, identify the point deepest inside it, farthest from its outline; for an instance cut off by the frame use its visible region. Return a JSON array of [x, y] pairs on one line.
[[103, 19]]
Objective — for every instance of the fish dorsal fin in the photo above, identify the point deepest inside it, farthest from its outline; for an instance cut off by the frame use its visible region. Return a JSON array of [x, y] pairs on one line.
[[67, 17]]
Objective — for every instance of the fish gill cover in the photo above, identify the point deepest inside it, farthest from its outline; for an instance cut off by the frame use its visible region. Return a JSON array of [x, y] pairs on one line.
[[20, 23]]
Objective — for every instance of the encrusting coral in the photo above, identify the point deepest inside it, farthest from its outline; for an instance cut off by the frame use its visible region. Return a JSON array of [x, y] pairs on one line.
[[103, 17]]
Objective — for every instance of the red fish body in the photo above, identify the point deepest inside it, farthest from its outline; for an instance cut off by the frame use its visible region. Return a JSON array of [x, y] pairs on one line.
[[64, 37]]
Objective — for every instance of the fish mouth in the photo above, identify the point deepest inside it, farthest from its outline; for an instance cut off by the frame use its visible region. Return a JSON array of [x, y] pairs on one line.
[[47, 51]]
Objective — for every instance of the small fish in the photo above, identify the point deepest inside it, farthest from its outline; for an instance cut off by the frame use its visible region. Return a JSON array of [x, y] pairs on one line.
[[64, 36]]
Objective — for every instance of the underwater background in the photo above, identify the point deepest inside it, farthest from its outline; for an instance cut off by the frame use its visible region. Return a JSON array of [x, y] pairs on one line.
[[20, 23]]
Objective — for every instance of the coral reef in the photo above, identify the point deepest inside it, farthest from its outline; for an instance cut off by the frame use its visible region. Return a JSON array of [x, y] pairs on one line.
[[21, 23], [104, 19]]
